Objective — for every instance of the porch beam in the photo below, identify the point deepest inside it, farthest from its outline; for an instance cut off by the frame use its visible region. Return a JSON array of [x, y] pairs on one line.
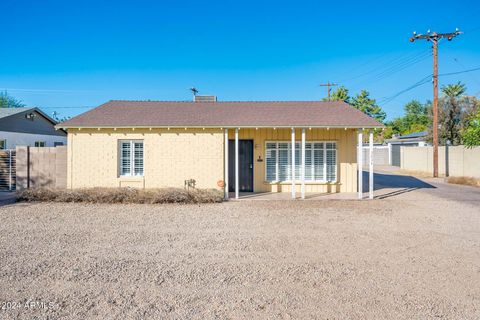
[[360, 164], [370, 165], [225, 173], [237, 183], [303, 163], [293, 164]]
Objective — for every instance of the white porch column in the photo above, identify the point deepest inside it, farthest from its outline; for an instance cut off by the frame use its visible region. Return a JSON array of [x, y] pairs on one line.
[[303, 163], [236, 164], [389, 154], [360, 164], [293, 164], [370, 165], [225, 175]]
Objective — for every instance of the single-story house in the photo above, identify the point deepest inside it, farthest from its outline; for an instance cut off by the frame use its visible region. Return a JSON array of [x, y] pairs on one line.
[[280, 146], [416, 139], [28, 127]]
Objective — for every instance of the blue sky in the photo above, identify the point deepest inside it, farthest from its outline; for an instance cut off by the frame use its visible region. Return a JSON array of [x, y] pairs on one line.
[[68, 56]]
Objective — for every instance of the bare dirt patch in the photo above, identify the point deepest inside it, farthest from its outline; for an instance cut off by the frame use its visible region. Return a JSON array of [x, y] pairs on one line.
[[279, 259]]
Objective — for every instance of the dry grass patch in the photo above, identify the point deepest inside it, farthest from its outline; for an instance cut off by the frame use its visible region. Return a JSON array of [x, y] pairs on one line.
[[121, 195], [468, 181]]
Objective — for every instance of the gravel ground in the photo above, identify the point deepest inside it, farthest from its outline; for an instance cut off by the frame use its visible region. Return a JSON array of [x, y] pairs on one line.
[[381, 259]]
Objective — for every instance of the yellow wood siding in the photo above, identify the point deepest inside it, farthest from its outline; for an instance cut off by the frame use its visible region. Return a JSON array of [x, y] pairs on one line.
[[346, 157]]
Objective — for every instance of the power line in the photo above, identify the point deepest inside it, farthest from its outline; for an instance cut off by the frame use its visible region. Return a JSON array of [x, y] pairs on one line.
[[415, 85], [400, 67], [391, 65], [458, 72]]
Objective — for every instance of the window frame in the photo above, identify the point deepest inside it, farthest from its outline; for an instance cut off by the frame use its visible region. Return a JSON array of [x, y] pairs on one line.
[[37, 144], [298, 177], [132, 143]]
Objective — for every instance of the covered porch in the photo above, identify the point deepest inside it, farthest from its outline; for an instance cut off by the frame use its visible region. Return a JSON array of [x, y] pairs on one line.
[[271, 196], [295, 163]]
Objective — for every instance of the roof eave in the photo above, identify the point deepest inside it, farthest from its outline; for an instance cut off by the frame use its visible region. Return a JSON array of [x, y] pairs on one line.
[[380, 126]]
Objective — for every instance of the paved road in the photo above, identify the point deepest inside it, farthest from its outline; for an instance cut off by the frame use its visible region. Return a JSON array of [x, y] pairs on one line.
[[390, 185], [6, 198]]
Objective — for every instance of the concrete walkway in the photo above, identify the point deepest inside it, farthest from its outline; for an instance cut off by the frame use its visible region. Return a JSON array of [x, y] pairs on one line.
[[389, 184], [288, 196]]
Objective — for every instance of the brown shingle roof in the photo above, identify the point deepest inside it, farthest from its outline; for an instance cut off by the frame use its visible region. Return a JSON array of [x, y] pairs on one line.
[[222, 114]]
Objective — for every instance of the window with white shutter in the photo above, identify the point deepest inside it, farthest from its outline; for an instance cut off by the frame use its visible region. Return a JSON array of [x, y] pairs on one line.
[[320, 161], [131, 158]]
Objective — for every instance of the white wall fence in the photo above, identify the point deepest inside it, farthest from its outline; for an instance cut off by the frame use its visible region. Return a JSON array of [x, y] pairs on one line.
[[381, 155], [462, 162]]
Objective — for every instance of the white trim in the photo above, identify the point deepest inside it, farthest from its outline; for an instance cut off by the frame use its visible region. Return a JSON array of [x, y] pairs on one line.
[[360, 163], [132, 158], [293, 164], [237, 183], [303, 164], [370, 174], [226, 164]]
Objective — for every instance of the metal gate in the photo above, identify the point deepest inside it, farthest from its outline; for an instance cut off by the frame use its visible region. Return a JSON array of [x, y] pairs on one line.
[[7, 170], [396, 156]]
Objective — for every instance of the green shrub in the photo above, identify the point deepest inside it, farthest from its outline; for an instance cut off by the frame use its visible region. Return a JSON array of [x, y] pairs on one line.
[[121, 195]]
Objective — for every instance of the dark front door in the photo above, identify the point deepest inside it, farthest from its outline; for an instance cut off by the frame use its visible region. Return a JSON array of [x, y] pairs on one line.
[[245, 165]]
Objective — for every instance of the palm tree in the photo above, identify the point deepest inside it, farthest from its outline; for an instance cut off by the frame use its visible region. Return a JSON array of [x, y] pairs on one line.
[[454, 90], [453, 109]]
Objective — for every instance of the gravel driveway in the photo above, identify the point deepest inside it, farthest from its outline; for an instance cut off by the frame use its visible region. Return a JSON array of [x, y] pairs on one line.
[[381, 259]]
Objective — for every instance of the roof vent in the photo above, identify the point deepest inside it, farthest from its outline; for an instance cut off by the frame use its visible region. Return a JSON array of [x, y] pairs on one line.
[[205, 98]]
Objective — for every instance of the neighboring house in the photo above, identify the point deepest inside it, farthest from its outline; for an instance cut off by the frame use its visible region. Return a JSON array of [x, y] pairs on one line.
[[28, 127], [416, 139], [150, 144]]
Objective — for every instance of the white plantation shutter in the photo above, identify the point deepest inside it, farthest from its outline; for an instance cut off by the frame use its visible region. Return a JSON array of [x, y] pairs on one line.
[[125, 156], [331, 161], [284, 160], [308, 162], [320, 161], [131, 158], [298, 161], [271, 161], [138, 158]]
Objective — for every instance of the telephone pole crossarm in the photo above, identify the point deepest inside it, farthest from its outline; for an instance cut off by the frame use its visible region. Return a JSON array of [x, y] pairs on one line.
[[328, 85]]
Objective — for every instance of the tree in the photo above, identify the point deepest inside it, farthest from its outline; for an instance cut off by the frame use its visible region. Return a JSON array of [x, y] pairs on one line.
[[415, 119], [454, 111], [56, 116], [364, 103], [340, 94], [7, 101], [471, 134]]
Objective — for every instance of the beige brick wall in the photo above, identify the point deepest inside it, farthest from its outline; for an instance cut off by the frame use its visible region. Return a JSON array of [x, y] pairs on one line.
[[463, 162], [170, 158]]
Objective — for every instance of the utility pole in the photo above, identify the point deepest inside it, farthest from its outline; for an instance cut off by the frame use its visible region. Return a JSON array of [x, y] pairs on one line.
[[328, 85], [434, 37]]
